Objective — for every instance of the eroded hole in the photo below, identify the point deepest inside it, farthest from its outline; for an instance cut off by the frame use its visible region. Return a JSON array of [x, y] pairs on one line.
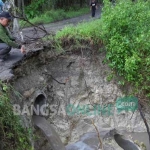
[[39, 108]]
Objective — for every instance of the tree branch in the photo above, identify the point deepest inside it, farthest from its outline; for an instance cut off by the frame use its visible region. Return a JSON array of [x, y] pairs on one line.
[[54, 79], [100, 141], [24, 19]]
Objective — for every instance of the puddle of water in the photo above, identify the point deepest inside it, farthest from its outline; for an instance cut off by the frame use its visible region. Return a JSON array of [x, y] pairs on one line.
[[141, 137]]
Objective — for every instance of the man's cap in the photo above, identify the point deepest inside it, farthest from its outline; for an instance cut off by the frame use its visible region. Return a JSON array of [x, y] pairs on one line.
[[6, 15]]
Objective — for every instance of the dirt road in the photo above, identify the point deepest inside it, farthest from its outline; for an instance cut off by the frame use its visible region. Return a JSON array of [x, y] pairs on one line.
[[54, 27]]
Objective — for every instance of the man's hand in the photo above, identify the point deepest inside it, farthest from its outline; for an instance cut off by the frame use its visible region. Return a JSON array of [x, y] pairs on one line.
[[23, 49]]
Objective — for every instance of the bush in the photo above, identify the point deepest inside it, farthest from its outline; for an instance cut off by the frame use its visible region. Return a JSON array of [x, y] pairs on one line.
[[126, 34], [34, 8], [12, 135]]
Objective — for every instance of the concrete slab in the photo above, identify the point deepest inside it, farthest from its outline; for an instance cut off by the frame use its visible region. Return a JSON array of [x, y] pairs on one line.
[[6, 72]]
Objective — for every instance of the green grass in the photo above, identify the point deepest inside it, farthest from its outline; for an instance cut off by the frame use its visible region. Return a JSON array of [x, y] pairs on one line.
[[83, 30], [55, 15], [13, 135], [87, 30]]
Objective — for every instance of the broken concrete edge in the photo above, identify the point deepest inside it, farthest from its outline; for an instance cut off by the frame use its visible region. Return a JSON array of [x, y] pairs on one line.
[[7, 74]]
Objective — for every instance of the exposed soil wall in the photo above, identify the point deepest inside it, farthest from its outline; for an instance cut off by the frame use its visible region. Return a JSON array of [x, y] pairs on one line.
[[73, 77]]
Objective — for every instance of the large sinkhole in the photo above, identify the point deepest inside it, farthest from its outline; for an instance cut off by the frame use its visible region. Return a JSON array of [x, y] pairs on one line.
[[79, 80]]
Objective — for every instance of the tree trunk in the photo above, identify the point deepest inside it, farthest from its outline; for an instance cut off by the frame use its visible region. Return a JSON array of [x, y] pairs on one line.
[[81, 3], [19, 4], [23, 8]]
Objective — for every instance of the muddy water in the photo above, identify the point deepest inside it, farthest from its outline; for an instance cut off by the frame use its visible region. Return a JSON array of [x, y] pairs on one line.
[[87, 141], [51, 135], [90, 141], [141, 137]]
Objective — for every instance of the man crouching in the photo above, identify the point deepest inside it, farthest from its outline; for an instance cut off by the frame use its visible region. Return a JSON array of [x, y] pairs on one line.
[[6, 42]]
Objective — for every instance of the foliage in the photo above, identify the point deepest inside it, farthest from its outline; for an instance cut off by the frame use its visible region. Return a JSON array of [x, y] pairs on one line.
[[55, 15], [12, 135], [89, 31], [83, 35], [126, 32], [34, 8]]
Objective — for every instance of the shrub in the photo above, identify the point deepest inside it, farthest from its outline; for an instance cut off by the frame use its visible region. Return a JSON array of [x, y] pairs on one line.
[[12, 134], [51, 16], [126, 34]]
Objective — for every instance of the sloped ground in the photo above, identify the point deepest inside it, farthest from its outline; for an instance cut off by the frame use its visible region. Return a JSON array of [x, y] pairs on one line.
[[6, 72]]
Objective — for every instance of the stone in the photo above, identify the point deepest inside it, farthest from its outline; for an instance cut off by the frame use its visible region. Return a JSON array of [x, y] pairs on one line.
[[28, 93]]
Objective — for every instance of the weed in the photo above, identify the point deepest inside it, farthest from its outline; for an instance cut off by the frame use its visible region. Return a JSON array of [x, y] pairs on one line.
[[13, 135]]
